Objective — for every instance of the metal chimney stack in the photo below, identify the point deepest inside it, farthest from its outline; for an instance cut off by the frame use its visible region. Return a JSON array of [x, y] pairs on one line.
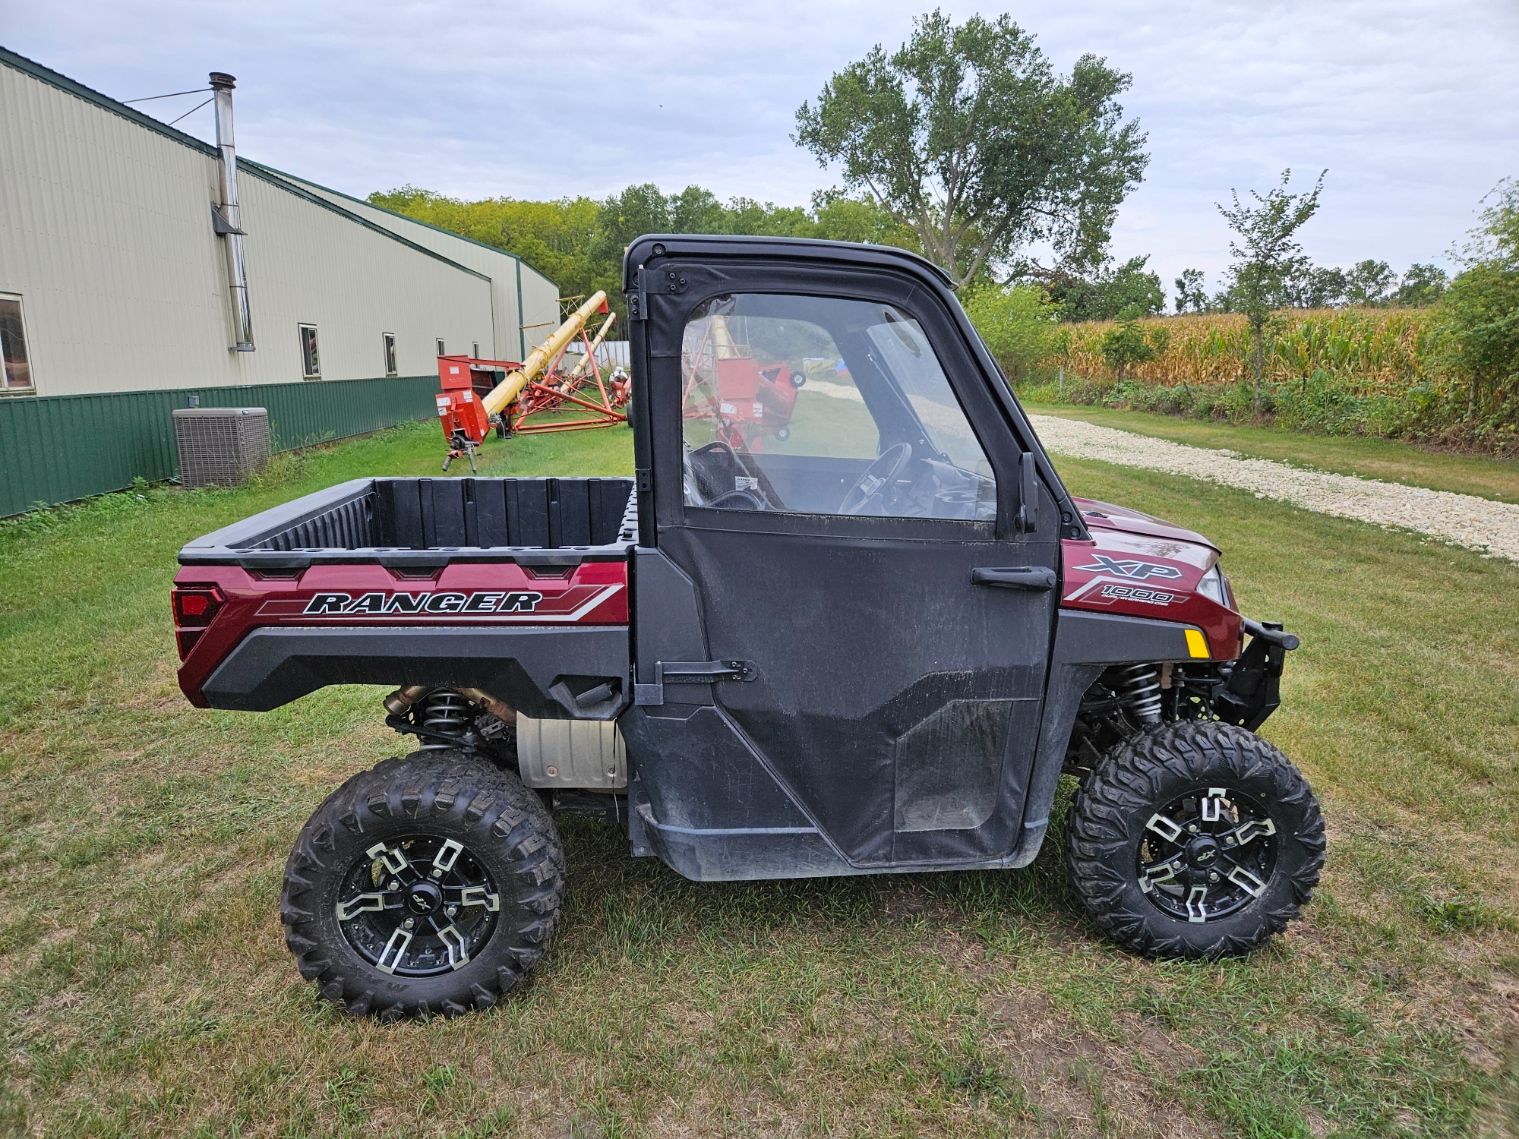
[[231, 228]]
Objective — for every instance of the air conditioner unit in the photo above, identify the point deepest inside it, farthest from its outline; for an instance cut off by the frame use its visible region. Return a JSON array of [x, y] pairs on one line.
[[221, 446]]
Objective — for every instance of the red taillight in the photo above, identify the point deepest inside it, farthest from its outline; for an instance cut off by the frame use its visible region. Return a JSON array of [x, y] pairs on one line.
[[194, 608], [192, 604]]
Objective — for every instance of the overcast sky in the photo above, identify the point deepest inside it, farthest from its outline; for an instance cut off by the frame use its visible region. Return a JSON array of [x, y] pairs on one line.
[[1412, 107]]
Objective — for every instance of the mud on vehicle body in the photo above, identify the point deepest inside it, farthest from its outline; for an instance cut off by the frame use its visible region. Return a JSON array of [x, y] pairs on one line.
[[868, 639]]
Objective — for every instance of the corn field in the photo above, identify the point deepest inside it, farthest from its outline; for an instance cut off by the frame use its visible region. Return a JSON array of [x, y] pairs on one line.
[[1366, 351]]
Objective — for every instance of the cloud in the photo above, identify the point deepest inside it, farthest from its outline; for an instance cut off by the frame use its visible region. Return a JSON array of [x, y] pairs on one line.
[[1408, 107]]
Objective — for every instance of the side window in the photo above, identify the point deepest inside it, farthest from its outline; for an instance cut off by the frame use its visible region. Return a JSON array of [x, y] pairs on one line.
[[311, 360], [15, 364], [824, 405], [388, 341]]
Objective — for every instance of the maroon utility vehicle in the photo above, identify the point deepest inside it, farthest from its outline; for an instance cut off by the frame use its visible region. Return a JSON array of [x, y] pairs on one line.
[[870, 642]]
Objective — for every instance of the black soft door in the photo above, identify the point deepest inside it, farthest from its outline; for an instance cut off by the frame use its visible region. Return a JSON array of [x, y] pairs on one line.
[[832, 473]]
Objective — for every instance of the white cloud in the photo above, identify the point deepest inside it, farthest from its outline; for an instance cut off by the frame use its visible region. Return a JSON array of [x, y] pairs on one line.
[[1408, 105]]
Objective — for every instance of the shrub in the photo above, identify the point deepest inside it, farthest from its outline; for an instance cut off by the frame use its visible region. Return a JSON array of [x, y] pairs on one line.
[[1018, 325], [1125, 346], [1478, 317]]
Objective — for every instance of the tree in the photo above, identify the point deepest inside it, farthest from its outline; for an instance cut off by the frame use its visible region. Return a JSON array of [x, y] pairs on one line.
[[1108, 292], [1266, 252], [1317, 286], [696, 210], [1478, 318], [636, 211], [1191, 294], [1421, 285], [1369, 282], [967, 135], [841, 217]]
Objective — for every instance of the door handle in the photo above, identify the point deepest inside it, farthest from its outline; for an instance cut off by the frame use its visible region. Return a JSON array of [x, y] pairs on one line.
[[1038, 578]]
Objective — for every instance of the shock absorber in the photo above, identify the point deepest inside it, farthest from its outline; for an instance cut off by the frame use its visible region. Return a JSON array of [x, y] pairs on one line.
[[447, 713], [1139, 687]]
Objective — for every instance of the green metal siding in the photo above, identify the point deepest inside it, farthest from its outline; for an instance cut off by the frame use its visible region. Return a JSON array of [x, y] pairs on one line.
[[60, 448]]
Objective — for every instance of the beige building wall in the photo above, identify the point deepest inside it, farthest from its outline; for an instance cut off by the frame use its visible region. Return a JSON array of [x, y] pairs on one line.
[[106, 234], [540, 301], [309, 264], [518, 327], [540, 306]]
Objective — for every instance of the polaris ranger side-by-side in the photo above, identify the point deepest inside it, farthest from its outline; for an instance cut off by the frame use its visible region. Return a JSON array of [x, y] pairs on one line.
[[867, 639]]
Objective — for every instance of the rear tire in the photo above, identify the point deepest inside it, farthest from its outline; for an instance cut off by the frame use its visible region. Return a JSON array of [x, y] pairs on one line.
[[428, 886], [1195, 840]]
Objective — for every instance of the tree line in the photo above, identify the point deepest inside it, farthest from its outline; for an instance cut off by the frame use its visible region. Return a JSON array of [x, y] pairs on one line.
[[578, 242], [1366, 284]]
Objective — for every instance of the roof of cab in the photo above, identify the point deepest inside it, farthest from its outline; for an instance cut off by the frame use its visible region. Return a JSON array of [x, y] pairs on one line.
[[652, 245]]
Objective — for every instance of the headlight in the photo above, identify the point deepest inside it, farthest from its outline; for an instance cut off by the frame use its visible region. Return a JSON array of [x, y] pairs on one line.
[[1214, 586]]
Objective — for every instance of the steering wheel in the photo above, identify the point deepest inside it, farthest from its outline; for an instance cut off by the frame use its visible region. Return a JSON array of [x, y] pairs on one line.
[[878, 478], [699, 477], [762, 497]]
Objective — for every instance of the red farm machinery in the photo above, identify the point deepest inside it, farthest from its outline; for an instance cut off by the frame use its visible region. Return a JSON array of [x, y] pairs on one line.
[[726, 381], [539, 394]]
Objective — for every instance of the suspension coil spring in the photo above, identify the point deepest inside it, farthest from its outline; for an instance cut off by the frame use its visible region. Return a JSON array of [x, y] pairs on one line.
[[1139, 686], [448, 714]]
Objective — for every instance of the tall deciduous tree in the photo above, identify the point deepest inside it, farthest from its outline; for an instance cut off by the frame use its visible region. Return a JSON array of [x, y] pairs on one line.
[[1266, 253], [1317, 286], [1423, 284], [966, 134], [1369, 282], [1108, 292], [1191, 292]]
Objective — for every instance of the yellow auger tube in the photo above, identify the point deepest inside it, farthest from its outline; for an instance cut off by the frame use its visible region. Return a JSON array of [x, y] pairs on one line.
[[585, 361], [500, 397]]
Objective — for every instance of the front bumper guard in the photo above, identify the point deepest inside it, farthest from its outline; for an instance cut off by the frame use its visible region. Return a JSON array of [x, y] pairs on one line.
[[1252, 683]]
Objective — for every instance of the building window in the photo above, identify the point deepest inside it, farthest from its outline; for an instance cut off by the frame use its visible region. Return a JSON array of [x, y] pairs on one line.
[[390, 353], [311, 360], [14, 360], [442, 349]]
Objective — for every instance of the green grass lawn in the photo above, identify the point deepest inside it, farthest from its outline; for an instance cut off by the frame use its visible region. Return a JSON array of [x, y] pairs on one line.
[[1386, 459], [145, 989]]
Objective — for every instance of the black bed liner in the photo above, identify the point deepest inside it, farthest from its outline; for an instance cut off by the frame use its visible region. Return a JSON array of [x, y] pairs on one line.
[[425, 522]]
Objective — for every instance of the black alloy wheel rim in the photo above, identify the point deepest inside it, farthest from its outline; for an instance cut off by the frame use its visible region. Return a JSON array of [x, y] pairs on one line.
[[417, 906], [1206, 854]]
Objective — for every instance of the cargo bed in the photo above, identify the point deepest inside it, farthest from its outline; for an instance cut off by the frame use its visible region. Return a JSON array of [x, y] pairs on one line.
[[421, 522]]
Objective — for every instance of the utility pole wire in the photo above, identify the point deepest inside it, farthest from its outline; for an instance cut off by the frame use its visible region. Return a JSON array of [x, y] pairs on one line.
[[192, 110], [170, 95]]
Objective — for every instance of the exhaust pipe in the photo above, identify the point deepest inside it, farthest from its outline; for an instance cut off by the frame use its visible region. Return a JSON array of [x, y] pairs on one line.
[[229, 215]]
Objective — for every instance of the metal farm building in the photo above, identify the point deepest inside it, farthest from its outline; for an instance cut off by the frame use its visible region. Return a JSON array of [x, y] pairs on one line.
[[143, 270]]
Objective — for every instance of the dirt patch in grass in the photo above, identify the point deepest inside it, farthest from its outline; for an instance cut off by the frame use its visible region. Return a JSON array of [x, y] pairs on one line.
[[1081, 1084]]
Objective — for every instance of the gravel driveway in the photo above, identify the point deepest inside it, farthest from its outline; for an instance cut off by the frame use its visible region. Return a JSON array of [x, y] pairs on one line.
[[1476, 523]]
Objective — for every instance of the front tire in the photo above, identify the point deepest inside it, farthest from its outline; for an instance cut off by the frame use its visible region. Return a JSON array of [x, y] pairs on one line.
[[427, 886], [1194, 840]]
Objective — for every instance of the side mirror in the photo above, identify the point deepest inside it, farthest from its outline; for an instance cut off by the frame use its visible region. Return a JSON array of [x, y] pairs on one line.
[[1027, 518]]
